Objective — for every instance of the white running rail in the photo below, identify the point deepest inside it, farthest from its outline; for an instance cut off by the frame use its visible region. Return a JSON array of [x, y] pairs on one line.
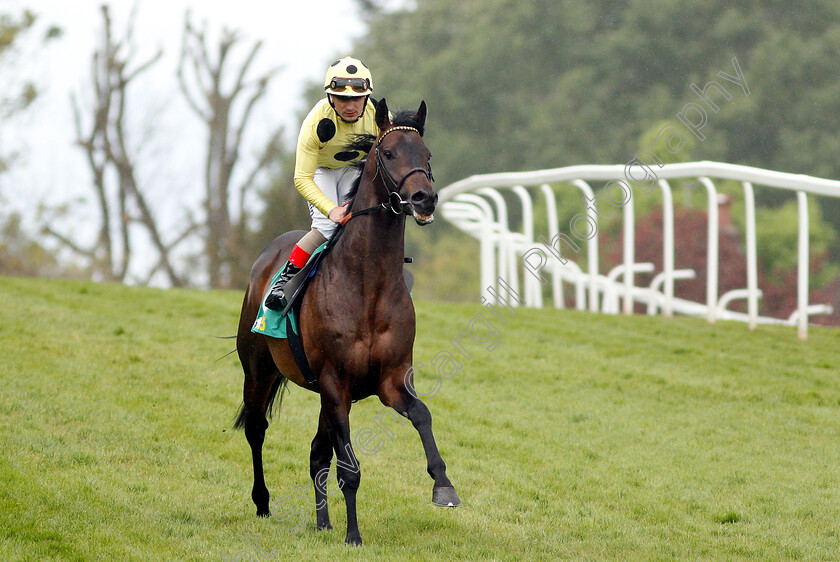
[[476, 206]]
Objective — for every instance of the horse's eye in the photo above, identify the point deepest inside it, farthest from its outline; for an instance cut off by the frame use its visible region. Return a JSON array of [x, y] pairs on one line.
[[388, 154]]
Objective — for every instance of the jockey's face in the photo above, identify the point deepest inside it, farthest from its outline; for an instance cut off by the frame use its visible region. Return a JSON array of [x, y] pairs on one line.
[[349, 108]]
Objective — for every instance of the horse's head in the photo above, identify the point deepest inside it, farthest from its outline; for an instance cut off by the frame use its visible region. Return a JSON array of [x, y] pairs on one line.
[[402, 159]]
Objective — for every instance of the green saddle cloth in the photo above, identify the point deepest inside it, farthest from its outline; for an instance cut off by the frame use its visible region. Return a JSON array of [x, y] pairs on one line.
[[272, 322]]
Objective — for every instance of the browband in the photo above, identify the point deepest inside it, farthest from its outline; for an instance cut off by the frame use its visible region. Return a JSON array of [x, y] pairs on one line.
[[396, 128]]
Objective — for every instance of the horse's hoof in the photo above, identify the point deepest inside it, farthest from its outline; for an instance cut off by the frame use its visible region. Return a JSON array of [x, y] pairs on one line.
[[355, 541], [263, 513], [445, 497], [324, 527]]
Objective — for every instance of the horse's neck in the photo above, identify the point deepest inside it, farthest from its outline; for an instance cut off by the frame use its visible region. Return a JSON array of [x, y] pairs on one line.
[[375, 241]]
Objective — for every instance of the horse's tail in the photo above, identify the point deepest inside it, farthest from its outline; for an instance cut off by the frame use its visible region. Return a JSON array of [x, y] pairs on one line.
[[279, 385]]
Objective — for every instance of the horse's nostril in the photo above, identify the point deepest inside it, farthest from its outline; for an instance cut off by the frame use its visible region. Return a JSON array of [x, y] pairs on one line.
[[418, 197]]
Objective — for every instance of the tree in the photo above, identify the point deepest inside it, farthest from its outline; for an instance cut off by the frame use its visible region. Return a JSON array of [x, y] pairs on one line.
[[213, 89], [19, 253], [121, 200], [16, 97], [13, 102], [22, 256]]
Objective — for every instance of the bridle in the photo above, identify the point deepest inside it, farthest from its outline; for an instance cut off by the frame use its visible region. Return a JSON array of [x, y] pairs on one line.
[[394, 189], [395, 203]]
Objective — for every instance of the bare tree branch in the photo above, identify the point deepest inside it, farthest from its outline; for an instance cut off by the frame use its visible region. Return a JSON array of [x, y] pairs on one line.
[[188, 53], [193, 49], [66, 241], [226, 119], [239, 84], [246, 114], [144, 66], [121, 200]]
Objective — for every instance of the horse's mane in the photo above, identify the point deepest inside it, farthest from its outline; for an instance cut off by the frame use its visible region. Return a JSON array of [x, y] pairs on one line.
[[364, 143]]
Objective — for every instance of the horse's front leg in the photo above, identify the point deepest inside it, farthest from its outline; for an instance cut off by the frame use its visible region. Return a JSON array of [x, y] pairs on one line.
[[335, 407], [408, 405], [319, 467]]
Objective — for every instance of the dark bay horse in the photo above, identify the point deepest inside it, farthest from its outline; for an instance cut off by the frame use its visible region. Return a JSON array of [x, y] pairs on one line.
[[357, 322]]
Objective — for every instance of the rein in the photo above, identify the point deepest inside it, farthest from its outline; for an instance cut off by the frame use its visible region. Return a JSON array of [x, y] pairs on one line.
[[398, 205]]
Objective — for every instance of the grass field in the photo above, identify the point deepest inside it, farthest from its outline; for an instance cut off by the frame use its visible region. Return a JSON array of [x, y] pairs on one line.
[[579, 437]]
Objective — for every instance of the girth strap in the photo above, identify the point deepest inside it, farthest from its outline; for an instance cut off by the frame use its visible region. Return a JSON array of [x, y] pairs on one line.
[[296, 345]]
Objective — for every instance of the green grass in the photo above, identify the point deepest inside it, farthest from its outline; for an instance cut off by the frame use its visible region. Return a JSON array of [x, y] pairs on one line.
[[579, 437]]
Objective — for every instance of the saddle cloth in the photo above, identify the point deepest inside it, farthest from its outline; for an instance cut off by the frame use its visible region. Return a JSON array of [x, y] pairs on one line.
[[273, 322]]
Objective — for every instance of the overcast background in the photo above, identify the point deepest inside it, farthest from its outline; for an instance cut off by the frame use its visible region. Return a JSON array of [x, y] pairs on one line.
[[300, 37]]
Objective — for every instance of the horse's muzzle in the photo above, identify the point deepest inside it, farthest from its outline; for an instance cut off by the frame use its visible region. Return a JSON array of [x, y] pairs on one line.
[[423, 205]]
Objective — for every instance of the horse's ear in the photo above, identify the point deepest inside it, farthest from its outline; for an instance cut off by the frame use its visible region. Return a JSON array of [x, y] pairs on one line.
[[420, 116], [382, 117]]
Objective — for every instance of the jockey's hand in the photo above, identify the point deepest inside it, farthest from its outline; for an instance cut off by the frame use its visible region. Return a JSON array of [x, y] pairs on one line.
[[337, 213]]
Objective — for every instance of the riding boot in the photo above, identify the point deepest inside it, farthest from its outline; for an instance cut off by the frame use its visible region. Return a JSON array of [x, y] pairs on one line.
[[276, 300]]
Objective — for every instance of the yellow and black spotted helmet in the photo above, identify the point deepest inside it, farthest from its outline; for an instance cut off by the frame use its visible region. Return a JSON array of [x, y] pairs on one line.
[[348, 77]]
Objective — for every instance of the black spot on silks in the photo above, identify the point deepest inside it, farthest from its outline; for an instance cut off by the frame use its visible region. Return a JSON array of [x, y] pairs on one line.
[[335, 63], [346, 156], [351, 69], [325, 130]]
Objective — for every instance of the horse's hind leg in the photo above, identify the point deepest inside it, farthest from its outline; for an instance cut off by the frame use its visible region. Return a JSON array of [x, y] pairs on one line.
[[261, 376], [408, 405], [319, 467], [255, 433]]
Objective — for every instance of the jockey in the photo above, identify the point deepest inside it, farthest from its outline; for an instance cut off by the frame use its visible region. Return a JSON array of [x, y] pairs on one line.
[[322, 163]]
